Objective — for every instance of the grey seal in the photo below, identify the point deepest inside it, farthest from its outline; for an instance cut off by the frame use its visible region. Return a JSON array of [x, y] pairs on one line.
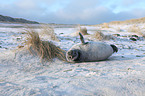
[[89, 51]]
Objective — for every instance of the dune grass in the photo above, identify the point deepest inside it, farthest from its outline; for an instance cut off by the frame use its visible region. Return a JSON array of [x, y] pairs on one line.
[[105, 25], [131, 21], [83, 30], [48, 31], [118, 29], [100, 36], [134, 28], [45, 49]]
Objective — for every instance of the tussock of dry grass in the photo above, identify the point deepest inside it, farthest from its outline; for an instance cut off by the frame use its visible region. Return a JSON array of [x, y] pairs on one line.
[[100, 36], [45, 49], [105, 25], [119, 29], [83, 31], [48, 31], [135, 29]]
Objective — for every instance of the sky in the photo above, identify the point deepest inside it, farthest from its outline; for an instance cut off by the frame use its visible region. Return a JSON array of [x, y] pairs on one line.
[[73, 11]]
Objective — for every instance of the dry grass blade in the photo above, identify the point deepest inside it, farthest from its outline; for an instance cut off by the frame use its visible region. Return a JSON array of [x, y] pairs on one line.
[[45, 49]]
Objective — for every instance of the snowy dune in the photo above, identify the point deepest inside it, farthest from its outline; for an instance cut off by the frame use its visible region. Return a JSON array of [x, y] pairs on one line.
[[122, 74]]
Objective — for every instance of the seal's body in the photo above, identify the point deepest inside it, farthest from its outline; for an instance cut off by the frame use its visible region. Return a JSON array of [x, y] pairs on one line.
[[90, 51]]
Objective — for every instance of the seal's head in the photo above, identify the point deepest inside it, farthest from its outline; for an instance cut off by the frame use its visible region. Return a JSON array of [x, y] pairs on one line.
[[73, 55]]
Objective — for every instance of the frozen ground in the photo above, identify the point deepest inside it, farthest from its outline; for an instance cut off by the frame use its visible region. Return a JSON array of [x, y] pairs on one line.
[[22, 74]]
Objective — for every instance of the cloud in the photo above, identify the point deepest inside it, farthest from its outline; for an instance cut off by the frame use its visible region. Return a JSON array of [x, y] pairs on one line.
[[73, 11]]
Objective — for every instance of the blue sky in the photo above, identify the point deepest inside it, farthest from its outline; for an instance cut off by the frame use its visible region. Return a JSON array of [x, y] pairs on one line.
[[73, 11]]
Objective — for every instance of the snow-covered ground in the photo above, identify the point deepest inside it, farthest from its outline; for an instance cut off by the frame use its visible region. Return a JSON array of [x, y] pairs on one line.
[[22, 74]]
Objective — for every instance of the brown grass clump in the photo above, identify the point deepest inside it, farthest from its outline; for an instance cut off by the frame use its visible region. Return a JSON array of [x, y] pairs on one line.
[[119, 29], [135, 29], [100, 36], [45, 49], [105, 25], [83, 31], [49, 31]]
